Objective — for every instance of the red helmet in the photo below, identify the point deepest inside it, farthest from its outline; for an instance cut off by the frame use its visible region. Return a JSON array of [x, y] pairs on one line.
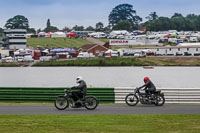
[[146, 79]]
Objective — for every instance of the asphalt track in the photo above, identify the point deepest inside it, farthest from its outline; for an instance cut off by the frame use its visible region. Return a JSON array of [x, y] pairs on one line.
[[101, 109]]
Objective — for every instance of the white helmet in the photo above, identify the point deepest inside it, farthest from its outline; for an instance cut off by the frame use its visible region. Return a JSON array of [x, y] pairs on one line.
[[78, 79]]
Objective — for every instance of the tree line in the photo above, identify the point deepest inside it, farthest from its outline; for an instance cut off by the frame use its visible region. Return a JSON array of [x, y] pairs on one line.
[[122, 17], [177, 22]]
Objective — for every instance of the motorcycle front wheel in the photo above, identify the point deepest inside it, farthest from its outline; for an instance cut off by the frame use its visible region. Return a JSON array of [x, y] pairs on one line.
[[91, 103], [160, 100], [61, 103], [131, 100]]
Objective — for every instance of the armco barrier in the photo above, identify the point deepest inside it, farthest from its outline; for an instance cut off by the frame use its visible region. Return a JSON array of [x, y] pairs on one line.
[[172, 95], [46, 94]]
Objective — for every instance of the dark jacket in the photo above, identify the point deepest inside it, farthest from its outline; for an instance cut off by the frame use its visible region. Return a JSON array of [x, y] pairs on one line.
[[149, 86], [82, 87]]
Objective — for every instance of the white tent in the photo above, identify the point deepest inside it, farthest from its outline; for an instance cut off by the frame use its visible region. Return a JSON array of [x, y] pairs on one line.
[[119, 32], [58, 34], [45, 51]]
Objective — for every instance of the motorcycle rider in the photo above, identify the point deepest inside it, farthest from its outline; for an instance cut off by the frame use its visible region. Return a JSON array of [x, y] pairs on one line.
[[149, 86], [81, 90]]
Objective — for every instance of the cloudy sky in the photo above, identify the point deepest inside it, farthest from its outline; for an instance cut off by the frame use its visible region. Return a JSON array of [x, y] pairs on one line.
[[87, 12]]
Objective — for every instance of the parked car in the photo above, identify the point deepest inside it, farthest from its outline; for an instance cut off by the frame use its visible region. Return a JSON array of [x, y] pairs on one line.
[[193, 39], [20, 58], [9, 59], [140, 54], [100, 35], [172, 40], [112, 36], [28, 58], [110, 53], [85, 55], [45, 58], [120, 37], [128, 54]]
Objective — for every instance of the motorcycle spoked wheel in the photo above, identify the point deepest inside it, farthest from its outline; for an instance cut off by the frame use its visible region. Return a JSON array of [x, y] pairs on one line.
[[61, 103], [160, 100], [91, 103], [131, 100]]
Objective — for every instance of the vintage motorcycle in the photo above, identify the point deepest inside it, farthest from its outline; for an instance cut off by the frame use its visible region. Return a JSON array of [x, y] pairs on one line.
[[157, 98], [63, 102]]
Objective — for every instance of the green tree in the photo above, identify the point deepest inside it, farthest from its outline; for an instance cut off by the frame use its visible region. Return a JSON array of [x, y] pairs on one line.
[[48, 23], [123, 25], [99, 26], [31, 30], [193, 22], [165, 24], [160, 24], [1, 32], [177, 15], [66, 29], [152, 16], [78, 28], [178, 23], [51, 29], [124, 12], [17, 22], [39, 30], [107, 28], [89, 28]]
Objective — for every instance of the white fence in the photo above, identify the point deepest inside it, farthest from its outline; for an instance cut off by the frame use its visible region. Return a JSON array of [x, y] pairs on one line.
[[172, 95]]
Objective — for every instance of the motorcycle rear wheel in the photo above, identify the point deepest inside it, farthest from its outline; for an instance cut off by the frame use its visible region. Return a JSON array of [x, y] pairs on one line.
[[91, 103], [61, 103], [160, 100], [131, 100]]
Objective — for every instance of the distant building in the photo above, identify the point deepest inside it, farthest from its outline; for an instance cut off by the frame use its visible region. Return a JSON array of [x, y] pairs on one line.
[[168, 51], [14, 39], [93, 48]]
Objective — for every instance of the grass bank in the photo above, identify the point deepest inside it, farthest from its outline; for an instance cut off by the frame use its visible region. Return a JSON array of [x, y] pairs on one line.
[[150, 61], [56, 42], [16, 64], [92, 62], [99, 123]]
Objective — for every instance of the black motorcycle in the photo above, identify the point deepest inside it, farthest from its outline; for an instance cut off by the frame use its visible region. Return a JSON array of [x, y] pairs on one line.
[[157, 98], [63, 102]]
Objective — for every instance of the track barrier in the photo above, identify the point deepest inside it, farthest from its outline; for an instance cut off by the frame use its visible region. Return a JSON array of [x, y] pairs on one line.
[[48, 94], [172, 95]]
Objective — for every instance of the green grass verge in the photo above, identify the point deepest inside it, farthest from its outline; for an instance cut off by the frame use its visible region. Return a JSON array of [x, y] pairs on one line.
[[56, 42], [16, 64], [104, 39], [153, 61], [93, 62], [170, 61], [99, 123]]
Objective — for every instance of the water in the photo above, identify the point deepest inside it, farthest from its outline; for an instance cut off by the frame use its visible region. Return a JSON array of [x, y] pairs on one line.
[[169, 77]]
